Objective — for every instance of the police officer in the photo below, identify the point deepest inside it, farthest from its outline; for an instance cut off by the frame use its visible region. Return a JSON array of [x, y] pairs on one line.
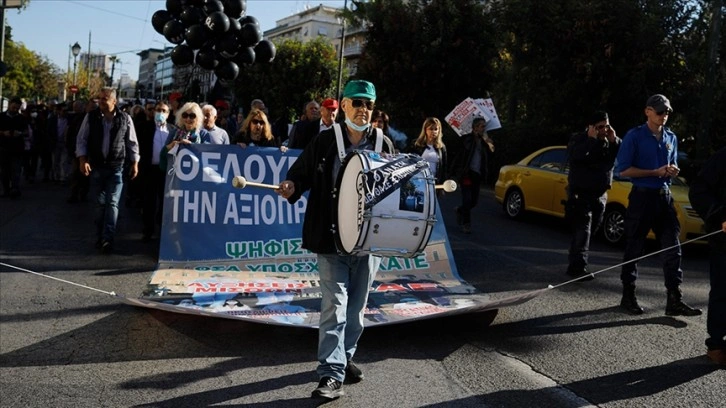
[[649, 156], [591, 156]]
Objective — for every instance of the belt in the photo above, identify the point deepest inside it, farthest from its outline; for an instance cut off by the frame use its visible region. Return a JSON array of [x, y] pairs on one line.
[[662, 191]]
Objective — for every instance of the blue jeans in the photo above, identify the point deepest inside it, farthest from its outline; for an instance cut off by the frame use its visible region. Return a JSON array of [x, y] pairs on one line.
[[716, 320], [107, 183], [652, 210], [344, 282]]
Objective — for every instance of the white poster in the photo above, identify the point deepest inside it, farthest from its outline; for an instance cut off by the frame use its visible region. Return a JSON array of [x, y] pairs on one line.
[[488, 106]]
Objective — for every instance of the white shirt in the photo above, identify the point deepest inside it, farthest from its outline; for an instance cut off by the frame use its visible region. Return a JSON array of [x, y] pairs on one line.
[[432, 157]]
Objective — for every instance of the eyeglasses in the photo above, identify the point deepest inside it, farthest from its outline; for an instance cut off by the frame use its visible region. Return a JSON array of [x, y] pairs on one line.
[[663, 112], [601, 127], [359, 103], [188, 115], [258, 122]]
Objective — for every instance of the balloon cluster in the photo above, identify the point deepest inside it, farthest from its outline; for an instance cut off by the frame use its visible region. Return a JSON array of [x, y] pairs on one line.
[[215, 34]]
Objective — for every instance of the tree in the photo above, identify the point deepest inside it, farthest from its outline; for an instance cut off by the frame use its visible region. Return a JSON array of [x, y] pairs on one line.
[[29, 75], [299, 73], [425, 57]]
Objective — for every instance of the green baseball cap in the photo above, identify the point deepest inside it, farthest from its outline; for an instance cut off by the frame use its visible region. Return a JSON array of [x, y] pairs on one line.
[[360, 89]]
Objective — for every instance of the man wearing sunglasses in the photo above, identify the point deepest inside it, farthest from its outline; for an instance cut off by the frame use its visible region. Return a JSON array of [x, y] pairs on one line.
[[591, 156], [344, 279], [648, 155]]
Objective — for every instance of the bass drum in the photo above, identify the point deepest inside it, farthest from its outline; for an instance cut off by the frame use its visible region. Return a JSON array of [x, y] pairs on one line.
[[385, 205]]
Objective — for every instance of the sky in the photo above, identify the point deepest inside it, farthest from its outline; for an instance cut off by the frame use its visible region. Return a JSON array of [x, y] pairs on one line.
[[121, 27]]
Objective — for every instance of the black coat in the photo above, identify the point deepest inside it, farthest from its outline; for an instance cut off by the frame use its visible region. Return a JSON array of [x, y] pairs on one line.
[[707, 194], [313, 170], [591, 164]]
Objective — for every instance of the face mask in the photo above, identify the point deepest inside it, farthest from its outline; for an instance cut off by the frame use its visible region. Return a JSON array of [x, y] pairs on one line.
[[33, 115], [357, 127], [160, 117]]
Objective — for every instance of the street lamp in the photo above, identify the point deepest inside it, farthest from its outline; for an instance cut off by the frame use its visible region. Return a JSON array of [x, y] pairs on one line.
[[76, 49]]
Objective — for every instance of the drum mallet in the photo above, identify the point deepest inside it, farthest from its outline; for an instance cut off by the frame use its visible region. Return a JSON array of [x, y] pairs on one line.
[[448, 186], [241, 182]]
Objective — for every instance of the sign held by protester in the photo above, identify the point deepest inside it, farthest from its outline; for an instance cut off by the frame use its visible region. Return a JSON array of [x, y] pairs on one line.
[[461, 117]]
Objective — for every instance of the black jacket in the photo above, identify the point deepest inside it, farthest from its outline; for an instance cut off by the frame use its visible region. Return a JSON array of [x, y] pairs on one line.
[[313, 170], [591, 164], [463, 152], [707, 194]]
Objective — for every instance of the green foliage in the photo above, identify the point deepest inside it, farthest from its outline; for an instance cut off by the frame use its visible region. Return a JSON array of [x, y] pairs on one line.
[[425, 56], [29, 75], [299, 73]]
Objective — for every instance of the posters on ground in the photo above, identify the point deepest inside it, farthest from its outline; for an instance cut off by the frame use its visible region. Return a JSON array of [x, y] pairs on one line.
[[237, 253]]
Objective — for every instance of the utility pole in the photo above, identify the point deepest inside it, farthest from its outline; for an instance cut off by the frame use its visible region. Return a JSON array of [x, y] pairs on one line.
[[342, 46], [113, 67]]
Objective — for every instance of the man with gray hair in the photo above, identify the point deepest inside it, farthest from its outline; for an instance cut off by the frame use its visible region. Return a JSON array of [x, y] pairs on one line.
[[217, 135], [106, 139]]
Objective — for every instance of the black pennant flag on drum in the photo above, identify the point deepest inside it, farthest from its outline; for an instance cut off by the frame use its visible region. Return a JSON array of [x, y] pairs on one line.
[[380, 182]]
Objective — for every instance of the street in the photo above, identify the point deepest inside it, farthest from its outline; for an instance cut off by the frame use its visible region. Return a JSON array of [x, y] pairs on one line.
[[62, 345]]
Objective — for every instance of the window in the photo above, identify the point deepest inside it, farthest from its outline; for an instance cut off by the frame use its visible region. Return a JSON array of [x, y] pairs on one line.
[[550, 160], [323, 31]]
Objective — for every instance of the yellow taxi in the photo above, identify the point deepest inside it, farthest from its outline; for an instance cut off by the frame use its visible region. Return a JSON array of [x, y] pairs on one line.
[[538, 183]]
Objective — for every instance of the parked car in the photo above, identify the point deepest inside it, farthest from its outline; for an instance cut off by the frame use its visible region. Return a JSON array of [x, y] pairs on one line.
[[538, 183]]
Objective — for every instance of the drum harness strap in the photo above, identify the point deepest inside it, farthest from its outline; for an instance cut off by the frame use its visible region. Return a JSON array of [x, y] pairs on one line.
[[341, 145]]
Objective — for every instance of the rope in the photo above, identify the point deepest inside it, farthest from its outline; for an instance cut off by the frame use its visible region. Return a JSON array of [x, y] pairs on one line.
[[58, 279], [632, 260], [112, 293]]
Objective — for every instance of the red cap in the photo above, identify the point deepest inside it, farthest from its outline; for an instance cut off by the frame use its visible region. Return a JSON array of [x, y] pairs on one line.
[[174, 96], [330, 103], [221, 103]]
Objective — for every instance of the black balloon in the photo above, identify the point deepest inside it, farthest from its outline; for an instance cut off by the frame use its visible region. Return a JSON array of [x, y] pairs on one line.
[[227, 70], [265, 51], [227, 45], [175, 7], [235, 8], [234, 26], [196, 35], [250, 20], [208, 58], [174, 31], [245, 56], [160, 18], [198, 3], [213, 5], [217, 22], [250, 35], [182, 55], [191, 16]]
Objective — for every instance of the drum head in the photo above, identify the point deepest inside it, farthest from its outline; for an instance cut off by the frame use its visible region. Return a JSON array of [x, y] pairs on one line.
[[351, 203]]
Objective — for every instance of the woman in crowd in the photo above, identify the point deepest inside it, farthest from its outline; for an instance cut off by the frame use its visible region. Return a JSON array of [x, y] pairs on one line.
[[431, 148], [189, 130], [256, 131]]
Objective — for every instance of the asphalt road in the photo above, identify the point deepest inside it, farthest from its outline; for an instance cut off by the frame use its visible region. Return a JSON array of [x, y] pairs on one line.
[[67, 346]]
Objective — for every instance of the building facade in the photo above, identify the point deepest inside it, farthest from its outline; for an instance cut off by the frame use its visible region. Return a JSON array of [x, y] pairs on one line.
[[307, 25]]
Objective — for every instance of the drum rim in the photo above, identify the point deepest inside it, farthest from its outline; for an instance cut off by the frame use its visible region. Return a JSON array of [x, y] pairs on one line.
[[336, 211]]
